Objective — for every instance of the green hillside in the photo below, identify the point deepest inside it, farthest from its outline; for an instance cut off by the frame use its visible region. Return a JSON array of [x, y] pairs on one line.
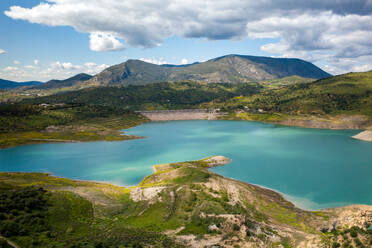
[[180, 205], [30, 124], [153, 96], [344, 94]]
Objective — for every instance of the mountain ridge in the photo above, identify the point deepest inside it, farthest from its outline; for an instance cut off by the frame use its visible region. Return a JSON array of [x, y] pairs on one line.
[[55, 83], [225, 69], [8, 84]]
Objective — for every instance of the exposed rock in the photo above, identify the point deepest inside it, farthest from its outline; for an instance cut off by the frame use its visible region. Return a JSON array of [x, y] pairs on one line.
[[145, 194]]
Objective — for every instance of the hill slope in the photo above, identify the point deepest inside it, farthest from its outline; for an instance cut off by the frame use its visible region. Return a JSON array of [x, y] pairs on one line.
[[343, 101], [6, 84], [226, 69], [180, 205], [152, 96], [55, 84], [348, 93]]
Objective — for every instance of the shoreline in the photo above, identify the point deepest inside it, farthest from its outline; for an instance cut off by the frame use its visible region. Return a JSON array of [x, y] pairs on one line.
[[364, 135], [210, 162]]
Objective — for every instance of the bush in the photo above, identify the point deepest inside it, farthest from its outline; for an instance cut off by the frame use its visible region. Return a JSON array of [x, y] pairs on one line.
[[236, 227], [4, 244], [336, 245]]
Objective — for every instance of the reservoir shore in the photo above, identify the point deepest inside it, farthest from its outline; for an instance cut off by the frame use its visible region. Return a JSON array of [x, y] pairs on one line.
[[336, 122], [89, 132]]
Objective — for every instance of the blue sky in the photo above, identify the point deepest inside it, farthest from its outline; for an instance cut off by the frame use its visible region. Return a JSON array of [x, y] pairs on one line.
[[59, 38]]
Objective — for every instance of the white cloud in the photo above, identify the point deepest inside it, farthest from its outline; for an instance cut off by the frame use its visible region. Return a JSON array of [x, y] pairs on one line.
[[65, 66], [184, 61], [55, 70], [36, 62], [30, 67], [104, 42], [156, 61], [319, 29], [16, 62], [2, 51], [10, 69], [362, 68]]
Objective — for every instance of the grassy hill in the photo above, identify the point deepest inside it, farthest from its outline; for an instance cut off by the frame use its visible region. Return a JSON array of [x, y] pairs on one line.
[[226, 69], [349, 94], [284, 82], [180, 205]]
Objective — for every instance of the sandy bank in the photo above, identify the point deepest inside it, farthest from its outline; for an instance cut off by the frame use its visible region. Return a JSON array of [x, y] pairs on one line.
[[330, 122], [365, 136]]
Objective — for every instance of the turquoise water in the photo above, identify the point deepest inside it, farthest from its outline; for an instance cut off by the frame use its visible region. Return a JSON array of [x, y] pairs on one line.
[[313, 168]]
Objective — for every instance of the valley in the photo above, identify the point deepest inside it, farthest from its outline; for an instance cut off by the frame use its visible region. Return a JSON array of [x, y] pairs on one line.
[[249, 102]]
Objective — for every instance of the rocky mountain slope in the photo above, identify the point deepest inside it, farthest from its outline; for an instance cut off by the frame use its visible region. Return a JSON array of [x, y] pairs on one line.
[[226, 69], [179, 205]]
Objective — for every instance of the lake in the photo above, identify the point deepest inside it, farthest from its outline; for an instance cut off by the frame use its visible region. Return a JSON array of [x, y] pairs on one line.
[[314, 168]]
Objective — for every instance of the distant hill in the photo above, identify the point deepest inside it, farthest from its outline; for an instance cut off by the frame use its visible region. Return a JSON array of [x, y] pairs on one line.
[[349, 93], [55, 84], [166, 95], [226, 69], [7, 84]]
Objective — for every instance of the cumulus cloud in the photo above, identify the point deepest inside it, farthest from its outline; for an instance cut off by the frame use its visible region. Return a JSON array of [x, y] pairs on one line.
[[317, 29], [36, 62], [184, 61], [156, 61], [2, 51], [104, 42], [16, 62], [55, 70], [64, 66]]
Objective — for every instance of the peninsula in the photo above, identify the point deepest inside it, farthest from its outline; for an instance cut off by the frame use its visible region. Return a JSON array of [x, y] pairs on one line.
[[180, 205]]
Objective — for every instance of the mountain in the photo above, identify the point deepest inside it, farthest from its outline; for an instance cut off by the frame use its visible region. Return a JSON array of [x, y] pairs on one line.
[[54, 84], [6, 84], [225, 69]]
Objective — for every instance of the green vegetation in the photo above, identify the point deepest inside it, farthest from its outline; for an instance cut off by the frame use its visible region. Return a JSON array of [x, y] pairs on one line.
[[345, 94], [284, 82], [38, 210], [349, 237], [27, 124], [71, 116], [178, 95], [33, 217]]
